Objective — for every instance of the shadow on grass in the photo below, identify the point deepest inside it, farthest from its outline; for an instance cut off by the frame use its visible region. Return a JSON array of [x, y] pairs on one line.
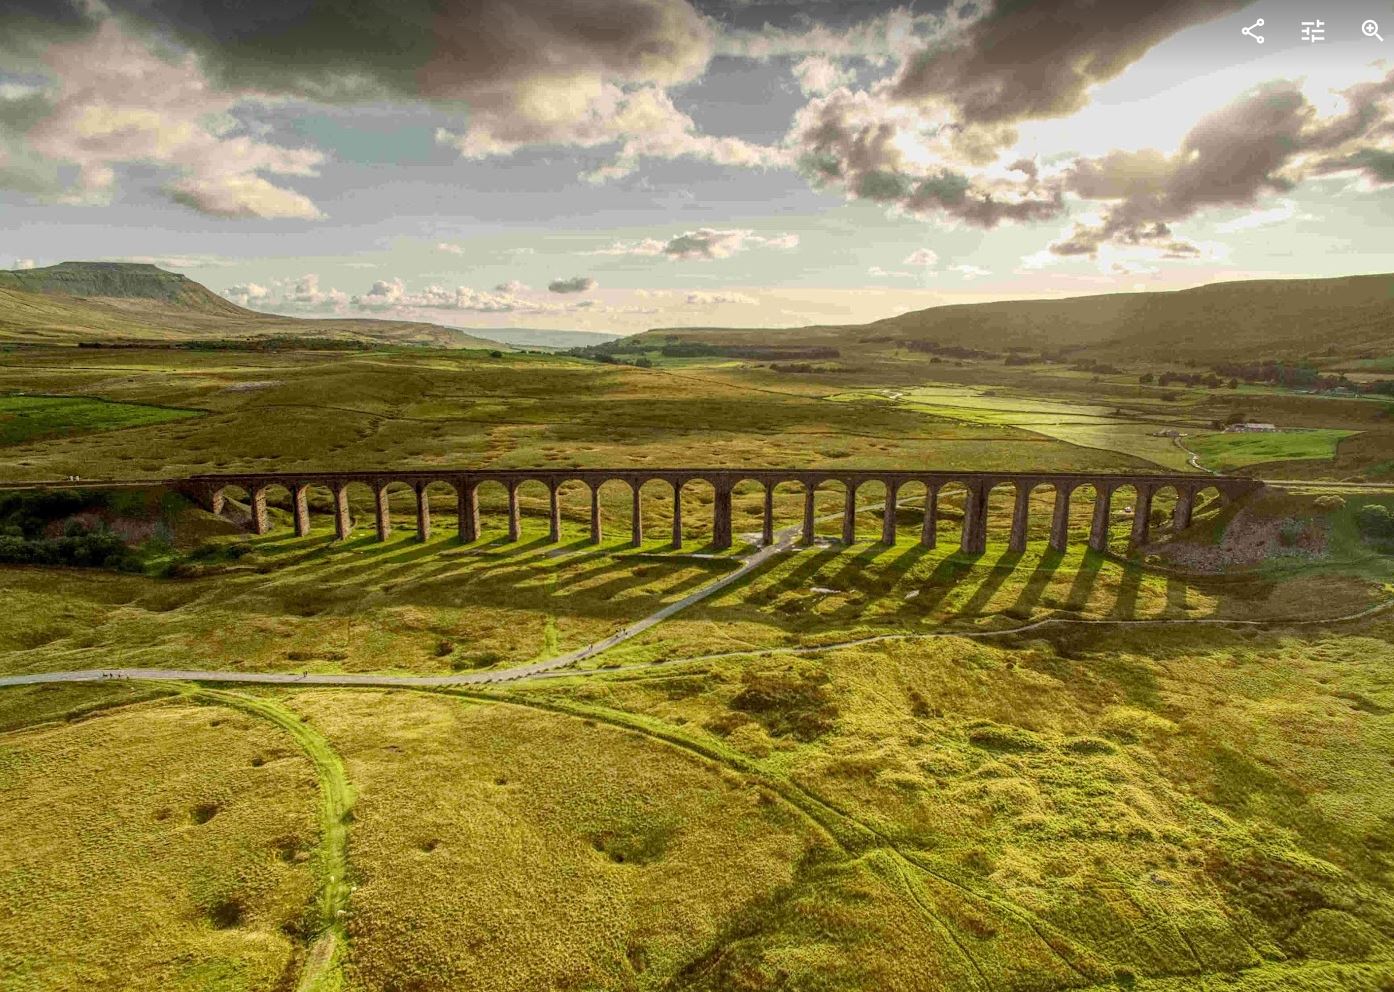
[[998, 573], [1177, 591], [1085, 579], [1036, 585], [1129, 586]]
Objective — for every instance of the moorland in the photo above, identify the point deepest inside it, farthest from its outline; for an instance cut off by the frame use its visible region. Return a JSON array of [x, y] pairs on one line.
[[854, 767]]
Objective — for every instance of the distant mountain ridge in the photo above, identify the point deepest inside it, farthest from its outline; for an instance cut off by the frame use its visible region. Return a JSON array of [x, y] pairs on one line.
[[541, 337], [1228, 321], [134, 301]]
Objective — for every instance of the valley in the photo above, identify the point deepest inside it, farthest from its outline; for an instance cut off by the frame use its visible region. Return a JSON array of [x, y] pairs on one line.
[[890, 764]]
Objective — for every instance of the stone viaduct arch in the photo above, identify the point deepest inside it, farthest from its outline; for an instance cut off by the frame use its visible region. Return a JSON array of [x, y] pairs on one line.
[[209, 491]]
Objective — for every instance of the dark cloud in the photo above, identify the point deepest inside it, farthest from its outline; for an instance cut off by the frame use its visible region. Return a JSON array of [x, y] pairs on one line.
[[1376, 164], [1030, 60], [20, 169], [576, 284], [469, 50], [852, 140], [1264, 142], [26, 26], [582, 72]]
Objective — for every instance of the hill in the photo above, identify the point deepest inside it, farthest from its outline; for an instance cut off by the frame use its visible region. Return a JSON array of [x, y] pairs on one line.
[[1232, 321], [541, 337], [124, 301]]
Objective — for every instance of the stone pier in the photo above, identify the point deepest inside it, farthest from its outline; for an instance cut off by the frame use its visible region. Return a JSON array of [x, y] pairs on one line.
[[384, 513], [300, 501], [423, 512], [211, 491]]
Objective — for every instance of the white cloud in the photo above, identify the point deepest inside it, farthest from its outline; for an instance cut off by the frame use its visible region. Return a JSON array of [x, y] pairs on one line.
[[818, 75], [921, 256], [1285, 210], [648, 246], [449, 248], [576, 284], [114, 102], [385, 293], [512, 286], [779, 241], [881, 273], [710, 242], [643, 122], [970, 271], [305, 294], [713, 299], [177, 261], [242, 196], [894, 34], [247, 293], [392, 294], [702, 243], [25, 263]]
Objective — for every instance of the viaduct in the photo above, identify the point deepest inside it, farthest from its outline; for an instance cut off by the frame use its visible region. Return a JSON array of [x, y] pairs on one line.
[[209, 490]]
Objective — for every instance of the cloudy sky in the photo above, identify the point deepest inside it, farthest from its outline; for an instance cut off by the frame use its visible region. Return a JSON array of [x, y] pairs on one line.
[[623, 164]]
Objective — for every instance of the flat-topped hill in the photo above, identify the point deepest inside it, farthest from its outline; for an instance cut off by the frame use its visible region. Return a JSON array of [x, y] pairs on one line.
[[121, 280], [75, 302]]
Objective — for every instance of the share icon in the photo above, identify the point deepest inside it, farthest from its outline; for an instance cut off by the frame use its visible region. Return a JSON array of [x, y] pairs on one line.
[[1250, 30]]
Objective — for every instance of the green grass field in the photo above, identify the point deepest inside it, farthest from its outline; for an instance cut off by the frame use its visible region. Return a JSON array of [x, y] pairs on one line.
[[857, 767], [36, 418], [1226, 452], [122, 868]]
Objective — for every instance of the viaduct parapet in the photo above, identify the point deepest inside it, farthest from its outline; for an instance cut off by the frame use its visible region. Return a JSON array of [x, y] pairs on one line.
[[209, 491]]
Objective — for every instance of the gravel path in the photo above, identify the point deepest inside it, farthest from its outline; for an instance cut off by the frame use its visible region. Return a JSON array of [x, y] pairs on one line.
[[553, 667]]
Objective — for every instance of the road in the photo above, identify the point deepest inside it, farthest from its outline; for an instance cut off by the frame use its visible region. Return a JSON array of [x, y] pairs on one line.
[[783, 541]]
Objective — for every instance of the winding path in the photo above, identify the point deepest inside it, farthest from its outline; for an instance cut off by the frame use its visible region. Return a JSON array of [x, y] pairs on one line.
[[554, 667], [784, 539]]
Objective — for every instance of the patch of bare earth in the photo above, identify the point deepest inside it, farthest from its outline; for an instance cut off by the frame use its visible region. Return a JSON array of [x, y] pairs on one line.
[[1250, 539]]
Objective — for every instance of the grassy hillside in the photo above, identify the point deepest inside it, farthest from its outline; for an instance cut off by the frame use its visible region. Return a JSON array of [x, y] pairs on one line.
[[1234, 321], [1086, 805], [858, 767], [121, 301]]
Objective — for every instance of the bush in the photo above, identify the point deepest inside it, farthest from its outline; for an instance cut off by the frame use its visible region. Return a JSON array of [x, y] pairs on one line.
[[1376, 523], [792, 702], [994, 737], [78, 547]]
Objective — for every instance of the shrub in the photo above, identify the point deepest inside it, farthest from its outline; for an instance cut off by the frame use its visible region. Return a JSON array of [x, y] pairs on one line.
[[79, 547], [994, 737], [1376, 523], [788, 702]]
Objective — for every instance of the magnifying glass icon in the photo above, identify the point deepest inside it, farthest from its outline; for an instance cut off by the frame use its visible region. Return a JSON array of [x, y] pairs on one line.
[[1370, 29]]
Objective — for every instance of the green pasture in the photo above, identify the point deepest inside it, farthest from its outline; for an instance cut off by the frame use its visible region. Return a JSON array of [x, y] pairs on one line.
[[1225, 452], [284, 412], [1080, 424], [33, 418], [859, 767]]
